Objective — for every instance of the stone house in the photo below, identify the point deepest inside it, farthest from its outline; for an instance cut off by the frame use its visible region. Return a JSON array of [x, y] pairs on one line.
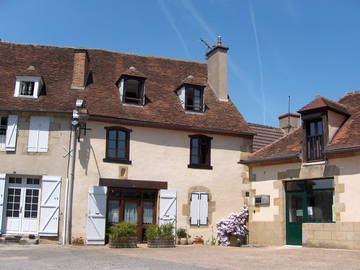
[[304, 188], [91, 137]]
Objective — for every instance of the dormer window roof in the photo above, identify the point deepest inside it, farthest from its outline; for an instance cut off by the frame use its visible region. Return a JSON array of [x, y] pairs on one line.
[[191, 95], [28, 86], [132, 87]]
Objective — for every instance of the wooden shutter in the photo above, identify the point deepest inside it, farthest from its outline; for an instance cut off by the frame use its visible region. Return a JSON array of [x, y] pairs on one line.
[[203, 209], [38, 134], [95, 230], [194, 209], [11, 133], [121, 89], [167, 207], [2, 198], [49, 207]]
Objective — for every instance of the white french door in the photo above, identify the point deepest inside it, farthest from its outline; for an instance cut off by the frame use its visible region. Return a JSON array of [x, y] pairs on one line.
[[22, 205]]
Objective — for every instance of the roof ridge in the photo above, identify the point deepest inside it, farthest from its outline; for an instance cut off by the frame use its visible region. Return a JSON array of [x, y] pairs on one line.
[[330, 100], [100, 49], [260, 125], [355, 92], [284, 136]]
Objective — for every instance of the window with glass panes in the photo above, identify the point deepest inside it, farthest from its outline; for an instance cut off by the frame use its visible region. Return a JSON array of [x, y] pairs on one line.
[[3, 128], [27, 88], [117, 144], [133, 90], [314, 140], [200, 149], [193, 98]]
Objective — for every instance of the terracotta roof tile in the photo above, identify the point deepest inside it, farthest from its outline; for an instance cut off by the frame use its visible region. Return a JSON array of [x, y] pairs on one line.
[[264, 135], [322, 102], [164, 75], [347, 137]]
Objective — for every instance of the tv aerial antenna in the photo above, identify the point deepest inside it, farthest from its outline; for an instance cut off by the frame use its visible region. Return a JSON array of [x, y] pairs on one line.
[[206, 44]]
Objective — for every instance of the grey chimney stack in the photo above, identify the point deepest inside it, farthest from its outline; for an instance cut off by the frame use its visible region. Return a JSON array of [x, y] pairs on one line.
[[217, 70], [289, 121]]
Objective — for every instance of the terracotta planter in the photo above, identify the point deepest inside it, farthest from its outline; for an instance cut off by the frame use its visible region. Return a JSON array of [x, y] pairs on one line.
[[237, 241], [161, 243], [129, 243], [198, 242]]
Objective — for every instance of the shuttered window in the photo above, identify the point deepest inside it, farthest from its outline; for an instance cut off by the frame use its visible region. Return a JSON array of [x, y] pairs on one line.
[[199, 210], [38, 134], [11, 133]]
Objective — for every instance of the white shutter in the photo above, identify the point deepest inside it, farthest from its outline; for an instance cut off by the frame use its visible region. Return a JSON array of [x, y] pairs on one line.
[[11, 133], [49, 207], [95, 230], [2, 199], [38, 134], [203, 209], [167, 207], [194, 209], [121, 89]]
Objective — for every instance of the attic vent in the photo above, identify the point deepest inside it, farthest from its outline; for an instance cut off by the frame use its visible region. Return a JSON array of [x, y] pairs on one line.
[[31, 68]]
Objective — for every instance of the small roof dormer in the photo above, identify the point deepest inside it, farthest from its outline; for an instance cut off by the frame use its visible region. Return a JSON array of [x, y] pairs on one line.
[[29, 83], [321, 119], [191, 94], [132, 87]]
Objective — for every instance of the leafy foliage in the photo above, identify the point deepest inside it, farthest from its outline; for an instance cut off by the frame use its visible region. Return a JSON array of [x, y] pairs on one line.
[[164, 231], [122, 231], [182, 233], [235, 224]]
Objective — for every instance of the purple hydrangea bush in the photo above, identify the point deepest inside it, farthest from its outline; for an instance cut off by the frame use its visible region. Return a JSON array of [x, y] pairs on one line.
[[235, 224]]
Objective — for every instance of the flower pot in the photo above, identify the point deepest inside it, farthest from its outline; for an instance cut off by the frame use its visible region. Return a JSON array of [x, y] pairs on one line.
[[198, 242], [161, 243], [183, 241], [127, 243]]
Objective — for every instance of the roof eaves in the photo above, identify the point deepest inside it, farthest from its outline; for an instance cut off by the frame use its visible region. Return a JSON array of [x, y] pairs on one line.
[[250, 161]]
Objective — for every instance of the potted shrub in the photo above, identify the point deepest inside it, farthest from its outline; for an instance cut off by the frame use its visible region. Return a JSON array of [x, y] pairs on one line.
[[160, 236], [122, 235], [182, 236], [77, 241], [199, 240]]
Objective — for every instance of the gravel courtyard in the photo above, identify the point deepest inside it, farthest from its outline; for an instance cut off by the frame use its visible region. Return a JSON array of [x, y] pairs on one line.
[[182, 257]]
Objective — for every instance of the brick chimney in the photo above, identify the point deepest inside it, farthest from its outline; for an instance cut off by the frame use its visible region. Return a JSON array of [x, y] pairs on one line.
[[81, 69], [217, 70], [289, 121]]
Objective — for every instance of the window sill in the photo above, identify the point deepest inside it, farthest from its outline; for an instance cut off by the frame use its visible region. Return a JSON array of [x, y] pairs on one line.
[[313, 163], [198, 166], [31, 97], [122, 161], [194, 112], [132, 105]]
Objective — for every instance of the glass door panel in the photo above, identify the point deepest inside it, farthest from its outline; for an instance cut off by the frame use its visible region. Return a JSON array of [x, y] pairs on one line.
[[131, 212], [148, 216], [295, 215], [113, 211]]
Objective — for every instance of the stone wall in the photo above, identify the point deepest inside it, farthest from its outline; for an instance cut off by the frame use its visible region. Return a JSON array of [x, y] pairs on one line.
[[332, 235]]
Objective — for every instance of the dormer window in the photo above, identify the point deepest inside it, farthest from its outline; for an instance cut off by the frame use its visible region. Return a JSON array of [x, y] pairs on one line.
[[132, 90], [314, 140], [27, 86], [194, 98]]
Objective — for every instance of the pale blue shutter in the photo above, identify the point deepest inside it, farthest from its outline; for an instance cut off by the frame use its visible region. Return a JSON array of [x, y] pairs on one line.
[[38, 134], [2, 198], [194, 209], [11, 133], [203, 209]]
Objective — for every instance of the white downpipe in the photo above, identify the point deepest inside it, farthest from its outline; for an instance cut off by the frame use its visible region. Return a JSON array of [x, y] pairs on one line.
[[69, 189], [63, 241]]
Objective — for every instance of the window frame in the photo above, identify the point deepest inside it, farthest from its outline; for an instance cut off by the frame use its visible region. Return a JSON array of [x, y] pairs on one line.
[[125, 160], [319, 141], [186, 105], [141, 90], [206, 165], [37, 86], [3, 128]]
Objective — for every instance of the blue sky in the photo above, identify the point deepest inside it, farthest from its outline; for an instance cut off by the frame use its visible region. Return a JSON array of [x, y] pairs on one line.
[[278, 48]]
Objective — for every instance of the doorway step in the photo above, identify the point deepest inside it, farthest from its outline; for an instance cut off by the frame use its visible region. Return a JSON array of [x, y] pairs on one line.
[[19, 239]]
